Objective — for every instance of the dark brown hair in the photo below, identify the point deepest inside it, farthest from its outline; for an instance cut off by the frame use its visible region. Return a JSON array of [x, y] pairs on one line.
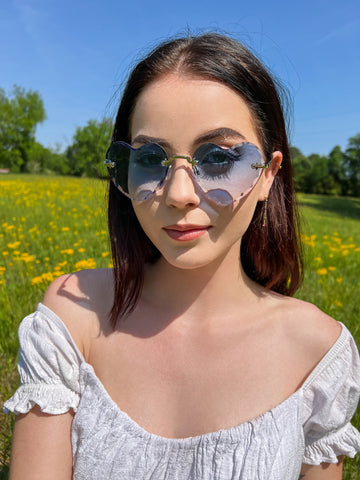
[[271, 255]]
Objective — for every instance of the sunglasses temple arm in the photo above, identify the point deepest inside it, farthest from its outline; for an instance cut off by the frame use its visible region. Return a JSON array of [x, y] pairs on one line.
[[109, 163], [258, 165]]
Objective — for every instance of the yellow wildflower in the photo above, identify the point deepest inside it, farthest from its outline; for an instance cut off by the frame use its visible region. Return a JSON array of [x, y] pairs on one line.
[[332, 269], [84, 264], [322, 271], [45, 277], [58, 273], [13, 245], [27, 258]]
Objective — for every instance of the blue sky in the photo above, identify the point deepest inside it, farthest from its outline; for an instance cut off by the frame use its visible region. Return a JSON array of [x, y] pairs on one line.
[[77, 53]]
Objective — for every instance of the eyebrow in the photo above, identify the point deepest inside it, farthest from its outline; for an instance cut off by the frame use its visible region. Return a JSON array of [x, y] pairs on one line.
[[223, 132], [143, 139]]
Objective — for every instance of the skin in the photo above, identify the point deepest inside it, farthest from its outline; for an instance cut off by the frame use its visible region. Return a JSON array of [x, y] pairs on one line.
[[199, 352]]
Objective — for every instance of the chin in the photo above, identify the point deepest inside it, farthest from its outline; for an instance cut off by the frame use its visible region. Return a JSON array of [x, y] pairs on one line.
[[192, 260]]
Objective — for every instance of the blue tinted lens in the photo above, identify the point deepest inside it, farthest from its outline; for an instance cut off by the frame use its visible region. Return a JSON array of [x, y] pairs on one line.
[[223, 174], [228, 173]]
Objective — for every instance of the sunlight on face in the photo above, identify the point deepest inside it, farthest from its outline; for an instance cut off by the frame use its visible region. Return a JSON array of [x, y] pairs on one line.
[[181, 113]]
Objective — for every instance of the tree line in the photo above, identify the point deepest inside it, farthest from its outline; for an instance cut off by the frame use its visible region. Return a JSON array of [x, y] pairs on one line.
[[335, 174], [21, 111]]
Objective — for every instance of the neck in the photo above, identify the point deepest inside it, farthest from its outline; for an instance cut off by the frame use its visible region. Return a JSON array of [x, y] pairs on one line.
[[202, 292]]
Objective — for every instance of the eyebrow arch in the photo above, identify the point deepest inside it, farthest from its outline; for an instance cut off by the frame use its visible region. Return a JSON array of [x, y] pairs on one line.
[[219, 132], [143, 139]]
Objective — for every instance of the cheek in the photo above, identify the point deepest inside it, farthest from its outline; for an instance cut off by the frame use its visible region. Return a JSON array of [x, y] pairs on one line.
[[243, 212], [146, 215]]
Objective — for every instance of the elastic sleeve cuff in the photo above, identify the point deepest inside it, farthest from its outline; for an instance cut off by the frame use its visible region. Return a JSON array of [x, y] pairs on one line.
[[52, 399], [345, 441]]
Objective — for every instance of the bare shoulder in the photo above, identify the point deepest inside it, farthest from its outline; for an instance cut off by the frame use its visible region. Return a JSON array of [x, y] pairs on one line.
[[80, 300], [308, 329]]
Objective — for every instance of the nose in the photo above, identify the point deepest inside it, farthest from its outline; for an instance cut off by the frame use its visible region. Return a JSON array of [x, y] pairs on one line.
[[180, 190]]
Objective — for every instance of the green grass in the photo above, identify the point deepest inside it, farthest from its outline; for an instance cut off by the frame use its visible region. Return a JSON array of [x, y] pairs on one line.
[[331, 228], [54, 225]]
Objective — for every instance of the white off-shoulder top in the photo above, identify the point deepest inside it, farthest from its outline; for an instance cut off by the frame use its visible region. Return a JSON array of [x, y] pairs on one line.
[[311, 426]]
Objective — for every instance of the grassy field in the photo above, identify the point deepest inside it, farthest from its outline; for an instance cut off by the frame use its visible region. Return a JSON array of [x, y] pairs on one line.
[[50, 226]]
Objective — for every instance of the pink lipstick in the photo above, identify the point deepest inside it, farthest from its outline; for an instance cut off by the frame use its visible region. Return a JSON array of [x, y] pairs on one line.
[[186, 233]]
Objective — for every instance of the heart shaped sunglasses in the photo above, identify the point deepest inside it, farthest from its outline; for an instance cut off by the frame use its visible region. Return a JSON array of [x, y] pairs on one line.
[[223, 174]]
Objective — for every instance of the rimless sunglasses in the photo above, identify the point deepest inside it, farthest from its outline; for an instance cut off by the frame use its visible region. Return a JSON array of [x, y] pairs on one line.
[[223, 174]]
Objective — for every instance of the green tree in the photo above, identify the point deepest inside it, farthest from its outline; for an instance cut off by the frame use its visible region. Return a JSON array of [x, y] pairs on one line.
[[20, 113], [336, 171], [294, 152], [87, 153], [302, 169], [45, 160], [352, 165], [319, 180]]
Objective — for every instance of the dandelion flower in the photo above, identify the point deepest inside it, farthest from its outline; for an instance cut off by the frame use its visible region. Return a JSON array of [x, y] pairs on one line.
[[85, 264], [13, 245], [322, 271]]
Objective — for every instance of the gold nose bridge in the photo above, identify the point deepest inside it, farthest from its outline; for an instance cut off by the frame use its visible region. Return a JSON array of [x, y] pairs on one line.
[[167, 161]]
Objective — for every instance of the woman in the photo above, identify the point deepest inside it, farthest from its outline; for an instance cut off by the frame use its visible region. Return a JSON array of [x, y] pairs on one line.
[[221, 373]]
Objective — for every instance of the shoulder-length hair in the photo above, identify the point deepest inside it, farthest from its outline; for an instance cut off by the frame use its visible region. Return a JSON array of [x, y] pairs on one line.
[[270, 255]]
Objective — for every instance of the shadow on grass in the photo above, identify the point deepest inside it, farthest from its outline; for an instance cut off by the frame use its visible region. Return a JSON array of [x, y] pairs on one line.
[[342, 206]]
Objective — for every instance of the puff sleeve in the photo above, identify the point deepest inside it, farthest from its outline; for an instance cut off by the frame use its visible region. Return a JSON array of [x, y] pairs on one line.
[[331, 395], [49, 366]]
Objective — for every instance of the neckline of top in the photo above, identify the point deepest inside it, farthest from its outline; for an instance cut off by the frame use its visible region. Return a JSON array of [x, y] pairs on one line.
[[137, 429]]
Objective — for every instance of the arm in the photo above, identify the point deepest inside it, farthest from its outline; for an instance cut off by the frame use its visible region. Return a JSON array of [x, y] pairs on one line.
[[42, 446], [325, 471]]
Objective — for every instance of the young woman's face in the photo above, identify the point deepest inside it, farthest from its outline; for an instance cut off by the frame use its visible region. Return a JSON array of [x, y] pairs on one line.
[[181, 113]]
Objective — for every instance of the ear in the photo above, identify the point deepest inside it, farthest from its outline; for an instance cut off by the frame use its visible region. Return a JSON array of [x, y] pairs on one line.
[[269, 174]]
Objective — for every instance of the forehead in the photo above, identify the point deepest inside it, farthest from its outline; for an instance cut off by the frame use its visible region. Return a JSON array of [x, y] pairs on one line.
[[180, 108]]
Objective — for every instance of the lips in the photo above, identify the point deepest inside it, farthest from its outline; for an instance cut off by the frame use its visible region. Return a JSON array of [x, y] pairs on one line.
[[185, 233]]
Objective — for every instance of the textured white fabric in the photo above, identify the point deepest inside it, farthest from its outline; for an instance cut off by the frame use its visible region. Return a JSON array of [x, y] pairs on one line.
[[311, 426]]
